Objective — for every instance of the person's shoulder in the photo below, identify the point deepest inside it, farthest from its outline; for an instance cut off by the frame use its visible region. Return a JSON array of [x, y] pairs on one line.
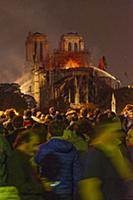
[[45, 147]]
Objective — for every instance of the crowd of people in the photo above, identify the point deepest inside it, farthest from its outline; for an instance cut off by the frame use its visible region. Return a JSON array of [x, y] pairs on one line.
[[76, 155]]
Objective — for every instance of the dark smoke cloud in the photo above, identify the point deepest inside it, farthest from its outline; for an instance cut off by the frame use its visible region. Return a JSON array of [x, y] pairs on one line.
[[106, 26]]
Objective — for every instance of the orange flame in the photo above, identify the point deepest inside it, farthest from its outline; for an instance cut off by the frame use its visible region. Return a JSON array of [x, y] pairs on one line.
[[71, 64]]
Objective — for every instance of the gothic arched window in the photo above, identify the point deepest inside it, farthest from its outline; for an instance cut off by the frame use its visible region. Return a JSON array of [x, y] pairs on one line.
[[75, 47], [35, 51], [41, 51], [69, 46]]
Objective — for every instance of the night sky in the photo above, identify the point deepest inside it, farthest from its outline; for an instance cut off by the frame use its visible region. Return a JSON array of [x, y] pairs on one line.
[[106, 25]]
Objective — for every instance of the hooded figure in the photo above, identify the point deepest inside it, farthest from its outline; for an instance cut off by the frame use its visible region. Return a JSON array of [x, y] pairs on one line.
[[59, 162]]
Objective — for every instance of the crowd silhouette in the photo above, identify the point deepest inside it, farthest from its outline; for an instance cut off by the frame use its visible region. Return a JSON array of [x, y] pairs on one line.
[[75, 155]]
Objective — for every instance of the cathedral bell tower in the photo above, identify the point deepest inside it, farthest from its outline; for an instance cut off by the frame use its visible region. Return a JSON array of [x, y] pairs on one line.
[[36, 53], [36, 49], [72, 42]]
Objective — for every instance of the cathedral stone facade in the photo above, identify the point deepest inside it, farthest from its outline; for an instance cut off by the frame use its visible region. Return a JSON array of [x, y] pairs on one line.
[[64, 76]]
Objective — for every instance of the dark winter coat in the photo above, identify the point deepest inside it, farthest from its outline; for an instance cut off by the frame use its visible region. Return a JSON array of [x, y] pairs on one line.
[[59, 162]]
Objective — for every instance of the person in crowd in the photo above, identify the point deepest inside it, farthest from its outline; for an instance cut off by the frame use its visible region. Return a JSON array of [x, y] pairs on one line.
[[129, 142], [83, 132], [85, 124], [59, 116], [106, 170], [96, 114], [71, 118], [28, 121], [42, 131], [8, 124], [21, 173], [5, 152], [127, 117], [6, 192], [81, 129], [2, 117], [39, 118], [130, 120], [61, 158], [80, 139], [17, 123], [52, 113]]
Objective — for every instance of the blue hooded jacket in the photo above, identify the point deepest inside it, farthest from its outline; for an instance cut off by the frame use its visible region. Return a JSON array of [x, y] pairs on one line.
[[68, 174]]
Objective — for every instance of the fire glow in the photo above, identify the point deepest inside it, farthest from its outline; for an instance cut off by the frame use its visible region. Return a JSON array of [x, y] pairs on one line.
[[71, 64]]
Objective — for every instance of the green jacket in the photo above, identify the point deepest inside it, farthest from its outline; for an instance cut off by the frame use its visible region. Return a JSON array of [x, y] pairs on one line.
[[5, 152], [22, 176]]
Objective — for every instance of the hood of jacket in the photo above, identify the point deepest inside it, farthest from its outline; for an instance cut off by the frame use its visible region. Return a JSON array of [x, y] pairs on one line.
[[60, 145]]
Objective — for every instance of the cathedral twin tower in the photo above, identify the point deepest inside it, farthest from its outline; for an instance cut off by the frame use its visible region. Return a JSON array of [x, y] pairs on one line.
[[37, 49]]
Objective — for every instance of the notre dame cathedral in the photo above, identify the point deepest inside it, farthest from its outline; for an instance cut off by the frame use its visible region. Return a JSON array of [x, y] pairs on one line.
[[64, 76]]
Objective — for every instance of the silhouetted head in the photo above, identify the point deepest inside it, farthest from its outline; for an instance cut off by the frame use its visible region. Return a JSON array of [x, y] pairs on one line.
[[52, 111], [55, 128], [18, 121]]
